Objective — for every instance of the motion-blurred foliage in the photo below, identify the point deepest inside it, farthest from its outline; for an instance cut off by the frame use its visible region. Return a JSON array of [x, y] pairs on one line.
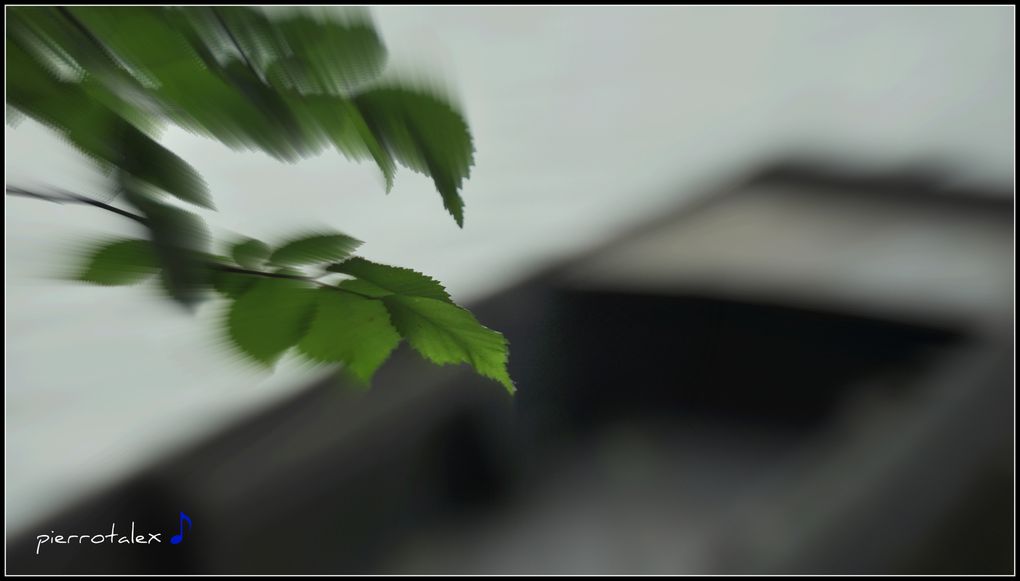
[[290, 84]]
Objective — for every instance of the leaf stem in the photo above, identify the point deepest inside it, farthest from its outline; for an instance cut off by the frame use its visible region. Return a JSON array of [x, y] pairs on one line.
[[71, 198], [237, 45], [314, 280], [65, 197], [80, 26]]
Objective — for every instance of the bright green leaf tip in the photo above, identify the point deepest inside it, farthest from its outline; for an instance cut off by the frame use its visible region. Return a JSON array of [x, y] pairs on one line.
[[445, 333]]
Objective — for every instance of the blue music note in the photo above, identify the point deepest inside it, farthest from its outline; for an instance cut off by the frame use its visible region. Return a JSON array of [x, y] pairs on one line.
[[178, 538]]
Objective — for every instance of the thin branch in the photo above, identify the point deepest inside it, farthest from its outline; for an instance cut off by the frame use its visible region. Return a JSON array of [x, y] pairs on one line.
[[311, 279], [237, 45], [238, 270], [71, 198], [80, 26]]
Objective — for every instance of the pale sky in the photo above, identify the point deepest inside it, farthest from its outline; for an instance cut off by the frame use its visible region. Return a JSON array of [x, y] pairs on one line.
[[586, 120]]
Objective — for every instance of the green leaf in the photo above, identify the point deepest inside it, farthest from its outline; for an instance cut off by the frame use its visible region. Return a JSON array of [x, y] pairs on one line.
[[363, 288], [270, 317], [151, 162], [326, 55], [172, 52], [315, 248], [232, 284], [250, 253], [424, 133], [342, 124], [179, 240], [392, 279], [352, 330], [257, 72], [143, 38], [122, 262], [309, 52], [90, 125], [287, 270], [444, 333], [65, 45]]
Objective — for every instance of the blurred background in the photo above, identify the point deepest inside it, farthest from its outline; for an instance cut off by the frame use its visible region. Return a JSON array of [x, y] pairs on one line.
[[755, 266]]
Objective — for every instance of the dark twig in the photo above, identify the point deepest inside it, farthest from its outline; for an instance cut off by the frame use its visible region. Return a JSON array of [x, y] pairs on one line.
[[313, 280], [238, 270], [237, 45], [71, 198]]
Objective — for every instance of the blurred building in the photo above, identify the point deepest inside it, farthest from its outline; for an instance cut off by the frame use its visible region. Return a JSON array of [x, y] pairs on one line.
[[807, 371]]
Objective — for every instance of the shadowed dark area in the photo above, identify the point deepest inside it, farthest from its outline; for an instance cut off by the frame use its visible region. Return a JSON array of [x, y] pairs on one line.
[[649, 355]]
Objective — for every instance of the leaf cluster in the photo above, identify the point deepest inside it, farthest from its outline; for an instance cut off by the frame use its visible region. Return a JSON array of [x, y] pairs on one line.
[[290, 84], [275, 304]]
